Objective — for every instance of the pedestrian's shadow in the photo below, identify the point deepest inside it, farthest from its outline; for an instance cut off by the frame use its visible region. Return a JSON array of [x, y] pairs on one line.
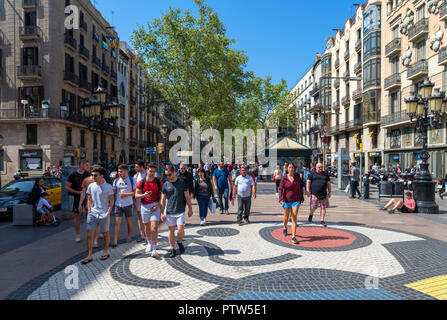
[[200, 251], [321, 238]]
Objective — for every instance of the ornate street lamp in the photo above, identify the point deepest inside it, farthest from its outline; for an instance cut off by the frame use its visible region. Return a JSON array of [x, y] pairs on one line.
[[425, 112]]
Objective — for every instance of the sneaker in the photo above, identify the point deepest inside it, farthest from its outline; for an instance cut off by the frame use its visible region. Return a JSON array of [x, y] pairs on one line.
[[181, 247], [284, 232], [154, 254], [276, 194], [323, 224], [221, 212], [294, 241], [202, 223], [172, 253], [228, 213], [240, 222], [247, 221], [391, 211], [383, 209], [310, 218], [148, 249], [78, 238]]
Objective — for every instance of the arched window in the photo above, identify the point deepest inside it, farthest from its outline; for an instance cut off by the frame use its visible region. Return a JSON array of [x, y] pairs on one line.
[[122, 90]]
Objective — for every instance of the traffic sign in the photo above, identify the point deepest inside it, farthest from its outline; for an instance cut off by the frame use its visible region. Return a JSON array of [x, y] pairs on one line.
[[325, 128], [325, 140], [150, 150]]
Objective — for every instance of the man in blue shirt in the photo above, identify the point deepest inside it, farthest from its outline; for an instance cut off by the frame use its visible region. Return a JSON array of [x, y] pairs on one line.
[[222, 183]]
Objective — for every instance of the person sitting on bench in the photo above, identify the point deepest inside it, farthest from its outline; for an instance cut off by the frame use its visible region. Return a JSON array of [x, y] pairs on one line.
[[408, 207]]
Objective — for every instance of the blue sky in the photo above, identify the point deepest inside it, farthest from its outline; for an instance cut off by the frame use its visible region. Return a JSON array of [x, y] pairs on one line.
[[279, 37]]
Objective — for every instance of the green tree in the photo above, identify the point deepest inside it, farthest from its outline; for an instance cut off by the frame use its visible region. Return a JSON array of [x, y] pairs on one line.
[[191, 63]]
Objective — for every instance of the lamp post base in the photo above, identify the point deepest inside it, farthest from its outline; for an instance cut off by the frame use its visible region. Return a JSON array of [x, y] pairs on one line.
[[424, 195]]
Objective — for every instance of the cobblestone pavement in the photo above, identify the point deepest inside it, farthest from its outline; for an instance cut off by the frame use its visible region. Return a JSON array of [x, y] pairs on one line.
[[363, 254]]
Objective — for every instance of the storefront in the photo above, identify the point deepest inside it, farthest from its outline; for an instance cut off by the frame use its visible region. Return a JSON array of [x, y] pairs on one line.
[[375, 157], [31, 160]]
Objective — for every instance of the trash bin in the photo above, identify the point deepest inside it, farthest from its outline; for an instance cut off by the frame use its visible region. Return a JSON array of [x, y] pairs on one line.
[[399, 188], [386, 188]]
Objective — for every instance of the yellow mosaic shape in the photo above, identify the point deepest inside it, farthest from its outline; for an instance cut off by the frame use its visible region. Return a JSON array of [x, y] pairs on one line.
[[435, 287]]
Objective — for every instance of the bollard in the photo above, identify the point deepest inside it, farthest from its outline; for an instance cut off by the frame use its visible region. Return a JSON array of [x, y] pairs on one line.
[[366, 188]]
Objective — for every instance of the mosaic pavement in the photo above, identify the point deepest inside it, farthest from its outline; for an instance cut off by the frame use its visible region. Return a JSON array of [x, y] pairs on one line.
[[256, 261]]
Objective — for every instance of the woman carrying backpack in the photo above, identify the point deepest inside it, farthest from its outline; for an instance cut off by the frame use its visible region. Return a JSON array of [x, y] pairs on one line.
[[203, 192]]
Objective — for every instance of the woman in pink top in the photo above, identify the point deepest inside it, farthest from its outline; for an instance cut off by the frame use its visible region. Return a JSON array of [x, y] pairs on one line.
[[408, 207]]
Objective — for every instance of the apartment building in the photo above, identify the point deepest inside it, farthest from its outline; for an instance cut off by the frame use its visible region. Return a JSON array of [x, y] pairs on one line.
[[49, 75], [301, 101], [414, 40]]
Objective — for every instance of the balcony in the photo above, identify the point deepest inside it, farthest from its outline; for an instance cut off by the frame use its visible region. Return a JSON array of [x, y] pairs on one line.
[[105, 68], [393, 47], [336, 105], [142, 125], [29, 4], [33, 72], [346, 76], [371, 117], [30, 33], [85, 85], [357, 94], [315, 129], [418, 69], [114, 75], [358, 68], [347, 55], [358, 45], [96, 62], [71, 77], [315, 91], [83, 51], [133, 142], [70, 42], [346, 100], [420, 29], [337, 83], [393, 82], [315, 108], [443, 12], [395, 118], [334, 129], [133, 121], [337, 63], [442, 56]]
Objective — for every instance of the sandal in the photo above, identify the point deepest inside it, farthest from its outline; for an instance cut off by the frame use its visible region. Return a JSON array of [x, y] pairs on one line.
[[105, 257], [129, 240], [139, 240], [114, 245], [86, 261]]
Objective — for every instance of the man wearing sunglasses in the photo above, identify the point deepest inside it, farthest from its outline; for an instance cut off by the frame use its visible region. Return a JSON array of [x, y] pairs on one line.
[[187, 178], [175, 192], [100, 201]]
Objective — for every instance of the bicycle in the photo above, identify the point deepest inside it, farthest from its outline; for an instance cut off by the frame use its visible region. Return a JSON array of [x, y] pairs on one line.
[[48, 218]]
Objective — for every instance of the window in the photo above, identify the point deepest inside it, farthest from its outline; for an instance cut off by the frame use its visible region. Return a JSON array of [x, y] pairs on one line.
[[371, 45], [68, 136], [395, 32], [371, 73], [30, 18], [31, 134], [394, 103], [395, 64], [95, 141], [30, 56], [420, 13], [69, 63], [420, 50], [82, 139]]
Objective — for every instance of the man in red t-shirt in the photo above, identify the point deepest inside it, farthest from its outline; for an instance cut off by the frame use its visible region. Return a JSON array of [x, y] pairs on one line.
[[148, 190]]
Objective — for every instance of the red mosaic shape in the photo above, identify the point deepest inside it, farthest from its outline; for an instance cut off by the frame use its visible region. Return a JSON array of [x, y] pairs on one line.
[[314, 237]]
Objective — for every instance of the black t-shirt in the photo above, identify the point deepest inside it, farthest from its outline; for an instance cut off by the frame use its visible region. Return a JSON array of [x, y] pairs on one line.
[[76, 180], [318, 184], [175, 195]]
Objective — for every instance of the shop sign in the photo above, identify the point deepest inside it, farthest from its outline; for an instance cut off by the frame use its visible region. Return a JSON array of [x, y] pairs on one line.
[[375, 154], [69, 153], [30, 153]]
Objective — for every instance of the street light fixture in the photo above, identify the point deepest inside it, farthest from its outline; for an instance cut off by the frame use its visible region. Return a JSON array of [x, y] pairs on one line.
[[426, 111]]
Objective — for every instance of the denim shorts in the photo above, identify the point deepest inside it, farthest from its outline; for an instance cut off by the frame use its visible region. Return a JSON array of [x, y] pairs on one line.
[[290, 205]]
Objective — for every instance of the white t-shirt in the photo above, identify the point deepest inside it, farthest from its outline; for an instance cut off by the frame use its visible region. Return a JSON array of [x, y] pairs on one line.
[[244, 185], [43, 203], [139, 176], [124, 186]]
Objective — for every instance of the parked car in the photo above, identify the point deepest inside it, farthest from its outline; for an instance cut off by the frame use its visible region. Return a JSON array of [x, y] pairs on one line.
[[17, 192]]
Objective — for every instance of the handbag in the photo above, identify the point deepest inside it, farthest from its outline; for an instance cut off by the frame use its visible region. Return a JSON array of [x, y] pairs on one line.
[[212, 205]]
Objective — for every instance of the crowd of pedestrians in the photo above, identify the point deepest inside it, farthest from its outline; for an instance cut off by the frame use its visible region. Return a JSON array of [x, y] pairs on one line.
[[155, 196]]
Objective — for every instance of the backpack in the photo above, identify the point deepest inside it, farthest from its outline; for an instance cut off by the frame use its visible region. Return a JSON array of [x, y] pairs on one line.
[[158, 184]]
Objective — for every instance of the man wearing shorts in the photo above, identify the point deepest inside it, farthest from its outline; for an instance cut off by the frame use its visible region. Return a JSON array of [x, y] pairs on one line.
[[148, 192], [140, 168], [74, 188], [319, 191], [83, 207], [408, 207], [124, 188], [177, 195], [100, 200]]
